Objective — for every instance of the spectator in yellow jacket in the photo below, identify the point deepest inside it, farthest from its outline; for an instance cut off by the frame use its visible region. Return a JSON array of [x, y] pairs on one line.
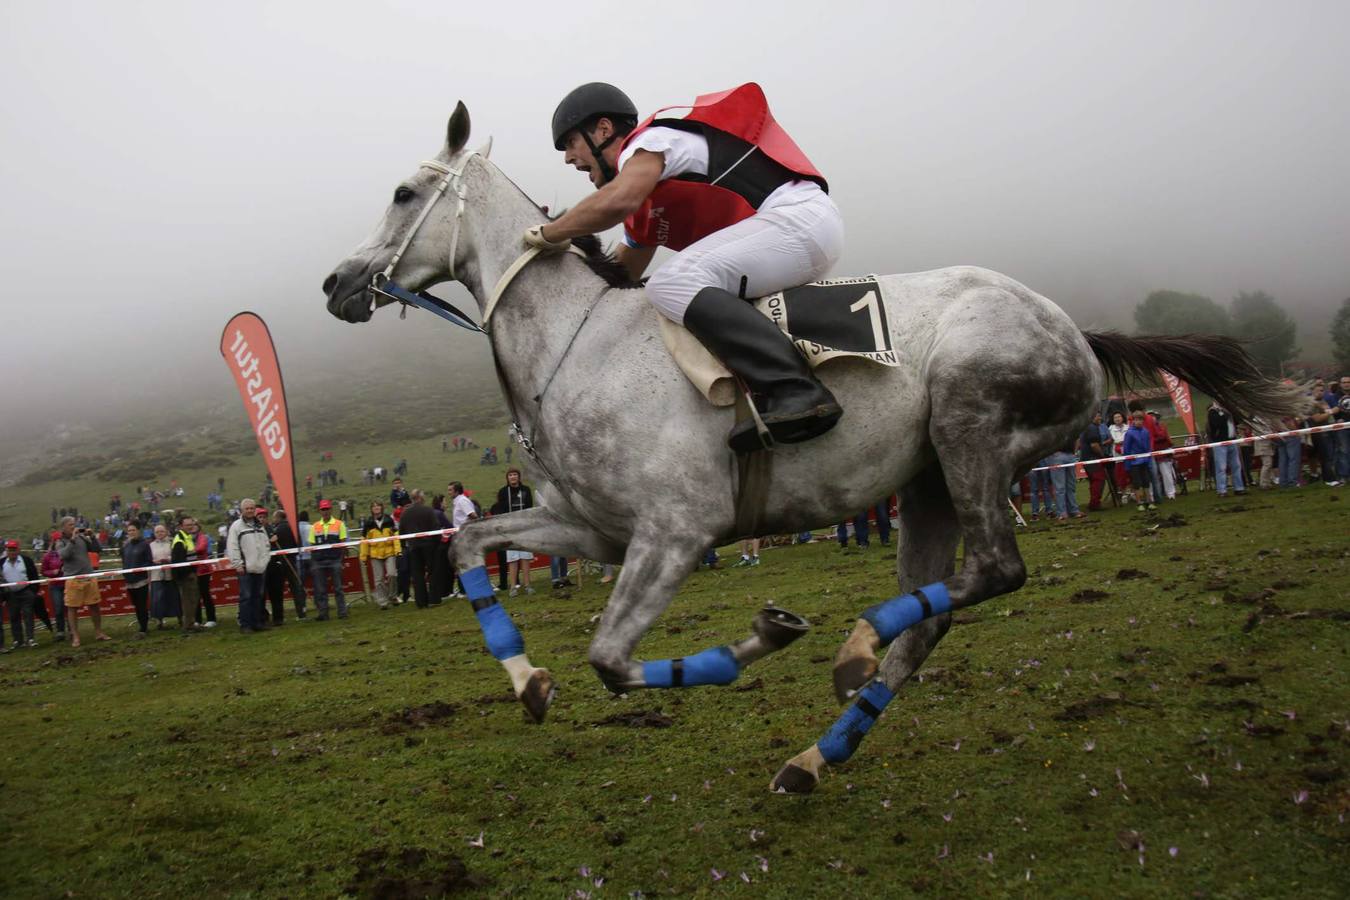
[[383, 555]]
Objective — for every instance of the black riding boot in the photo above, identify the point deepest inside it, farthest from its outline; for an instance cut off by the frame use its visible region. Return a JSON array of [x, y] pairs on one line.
[[793, 404]]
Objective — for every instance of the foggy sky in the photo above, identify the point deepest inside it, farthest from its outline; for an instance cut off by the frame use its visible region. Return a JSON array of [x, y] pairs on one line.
[[166, 165]]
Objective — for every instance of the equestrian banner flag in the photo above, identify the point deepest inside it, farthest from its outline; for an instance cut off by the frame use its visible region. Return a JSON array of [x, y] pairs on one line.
[[247, 347], [1180, 392]]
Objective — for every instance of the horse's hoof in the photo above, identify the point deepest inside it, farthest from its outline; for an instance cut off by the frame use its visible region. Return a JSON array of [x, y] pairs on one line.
[[793, 780], [778, 627], [538, 695]]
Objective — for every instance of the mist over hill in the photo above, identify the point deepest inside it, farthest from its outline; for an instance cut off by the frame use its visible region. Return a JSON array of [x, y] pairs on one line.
[[389, 378], [408, 378]]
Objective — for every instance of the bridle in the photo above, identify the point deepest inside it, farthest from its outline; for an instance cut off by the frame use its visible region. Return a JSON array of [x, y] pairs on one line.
[[382, 284]]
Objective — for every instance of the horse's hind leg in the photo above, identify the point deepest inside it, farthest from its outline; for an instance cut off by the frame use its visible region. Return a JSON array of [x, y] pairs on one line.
[[978, 481], [929, 533]]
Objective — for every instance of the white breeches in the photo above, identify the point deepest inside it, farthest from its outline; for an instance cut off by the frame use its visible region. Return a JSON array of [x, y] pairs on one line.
[[775, 249]]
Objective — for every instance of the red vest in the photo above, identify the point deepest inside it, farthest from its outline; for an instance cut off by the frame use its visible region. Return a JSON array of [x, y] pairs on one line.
[[684, 209]]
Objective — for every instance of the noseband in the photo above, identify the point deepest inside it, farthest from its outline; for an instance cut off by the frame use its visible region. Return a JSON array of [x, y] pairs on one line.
[[382, 284]]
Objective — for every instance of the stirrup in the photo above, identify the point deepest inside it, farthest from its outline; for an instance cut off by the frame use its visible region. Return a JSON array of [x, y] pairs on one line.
[[766, 441]]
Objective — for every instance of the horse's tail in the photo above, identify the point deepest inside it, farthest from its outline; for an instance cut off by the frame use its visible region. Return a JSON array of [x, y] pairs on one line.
[[1216, 365]]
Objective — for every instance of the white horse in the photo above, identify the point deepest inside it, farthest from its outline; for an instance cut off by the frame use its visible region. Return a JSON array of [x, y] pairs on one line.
[[994, 377]]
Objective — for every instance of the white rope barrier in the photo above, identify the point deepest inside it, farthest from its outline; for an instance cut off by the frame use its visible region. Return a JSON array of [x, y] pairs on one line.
[[449, 532], [1171, 451], [291, 551]]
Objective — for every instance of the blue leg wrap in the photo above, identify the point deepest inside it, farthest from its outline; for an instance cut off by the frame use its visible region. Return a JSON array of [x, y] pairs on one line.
[[716, 665], [476, 583], [502, 637], [847, 733], [893, 616]]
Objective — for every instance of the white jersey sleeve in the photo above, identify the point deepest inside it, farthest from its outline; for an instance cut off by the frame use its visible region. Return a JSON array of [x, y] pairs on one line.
[[683, 151]]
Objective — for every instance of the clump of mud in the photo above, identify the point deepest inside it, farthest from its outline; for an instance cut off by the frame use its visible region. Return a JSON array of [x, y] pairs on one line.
[[409, 874], [1094, 706], [419, 716]]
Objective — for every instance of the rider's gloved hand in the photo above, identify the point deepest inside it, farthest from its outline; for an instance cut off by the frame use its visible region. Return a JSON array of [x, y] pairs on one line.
[[534, 237]]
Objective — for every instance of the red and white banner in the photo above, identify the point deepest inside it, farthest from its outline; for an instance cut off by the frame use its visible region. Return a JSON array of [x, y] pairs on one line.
[[247, 347], [1180, 393]]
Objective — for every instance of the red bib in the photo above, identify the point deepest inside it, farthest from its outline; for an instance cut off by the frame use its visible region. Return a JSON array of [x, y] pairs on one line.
[[682, 210]]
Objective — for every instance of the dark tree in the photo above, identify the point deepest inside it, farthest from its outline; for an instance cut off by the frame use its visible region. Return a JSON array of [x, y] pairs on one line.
[[1172, 312], [1259, 319], [1340, 336]]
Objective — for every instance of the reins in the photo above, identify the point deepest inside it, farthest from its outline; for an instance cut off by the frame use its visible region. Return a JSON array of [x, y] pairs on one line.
[[382, 284]]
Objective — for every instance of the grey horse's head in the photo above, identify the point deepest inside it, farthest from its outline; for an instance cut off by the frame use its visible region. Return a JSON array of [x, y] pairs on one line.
[[425, 262]]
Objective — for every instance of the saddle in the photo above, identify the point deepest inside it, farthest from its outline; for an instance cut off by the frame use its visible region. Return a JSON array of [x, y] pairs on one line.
[[825, 319]]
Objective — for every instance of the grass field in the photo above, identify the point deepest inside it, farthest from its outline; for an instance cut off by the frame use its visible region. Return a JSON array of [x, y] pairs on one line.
[[1164, 710]]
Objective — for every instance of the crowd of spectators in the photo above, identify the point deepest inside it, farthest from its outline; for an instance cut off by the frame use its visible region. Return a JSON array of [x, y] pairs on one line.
[[397, 569], [1122, 429]]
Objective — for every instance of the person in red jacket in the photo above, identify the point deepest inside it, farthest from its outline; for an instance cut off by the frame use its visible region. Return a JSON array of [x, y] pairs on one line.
[[744, 209], [1164, 466]]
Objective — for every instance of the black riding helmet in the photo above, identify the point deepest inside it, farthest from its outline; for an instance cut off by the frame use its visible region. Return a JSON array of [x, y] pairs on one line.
[[589, 101], [586, 103]]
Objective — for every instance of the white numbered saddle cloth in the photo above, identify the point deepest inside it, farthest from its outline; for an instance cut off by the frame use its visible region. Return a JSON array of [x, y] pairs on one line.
[[825, 319]]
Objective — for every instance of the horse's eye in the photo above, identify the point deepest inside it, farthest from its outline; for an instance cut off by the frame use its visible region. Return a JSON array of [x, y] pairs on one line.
[[403, 195]]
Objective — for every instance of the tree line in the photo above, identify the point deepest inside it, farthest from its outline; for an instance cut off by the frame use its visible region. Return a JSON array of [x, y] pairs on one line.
[[1254, 316]]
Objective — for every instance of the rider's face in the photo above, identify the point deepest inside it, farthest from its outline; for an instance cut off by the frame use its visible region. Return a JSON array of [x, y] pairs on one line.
[[579, 156]]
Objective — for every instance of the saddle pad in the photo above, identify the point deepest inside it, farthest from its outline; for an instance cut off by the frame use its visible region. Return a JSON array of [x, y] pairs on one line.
[[826, 320]]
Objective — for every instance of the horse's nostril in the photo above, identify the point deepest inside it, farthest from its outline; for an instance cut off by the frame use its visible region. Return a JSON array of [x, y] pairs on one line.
[[329, 283]]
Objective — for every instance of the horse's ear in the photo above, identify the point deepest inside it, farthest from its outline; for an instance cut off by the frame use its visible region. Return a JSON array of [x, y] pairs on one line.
[[457, 131], [486, 150]]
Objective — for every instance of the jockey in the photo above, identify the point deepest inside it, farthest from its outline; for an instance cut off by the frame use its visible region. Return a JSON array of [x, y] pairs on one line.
[[743, 208]]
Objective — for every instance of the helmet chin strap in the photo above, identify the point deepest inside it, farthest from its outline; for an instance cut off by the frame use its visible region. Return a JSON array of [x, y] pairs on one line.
[[607, 172]]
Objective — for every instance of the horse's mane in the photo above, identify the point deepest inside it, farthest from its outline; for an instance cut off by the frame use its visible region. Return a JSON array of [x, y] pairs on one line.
[[604, 264]]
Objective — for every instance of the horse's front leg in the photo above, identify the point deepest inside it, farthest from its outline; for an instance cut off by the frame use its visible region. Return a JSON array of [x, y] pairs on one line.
[[653, 571], [537, 530]]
